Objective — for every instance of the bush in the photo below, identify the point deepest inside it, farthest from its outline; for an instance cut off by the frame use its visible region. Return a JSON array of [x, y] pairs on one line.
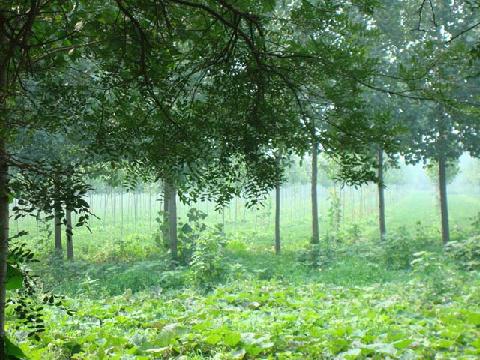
[[207, 265], [188, 234], [466, 252], [436, 273], [351, 234], [398, 248]]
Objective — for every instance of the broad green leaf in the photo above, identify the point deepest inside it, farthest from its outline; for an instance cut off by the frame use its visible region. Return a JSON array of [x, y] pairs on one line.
[[14, 278], [213, 338], [473, 318], [232, 338], [402, 344], [13, 350]]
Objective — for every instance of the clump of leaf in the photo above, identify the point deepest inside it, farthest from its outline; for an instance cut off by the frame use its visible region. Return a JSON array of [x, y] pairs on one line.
[[465, 252], [207, 264]]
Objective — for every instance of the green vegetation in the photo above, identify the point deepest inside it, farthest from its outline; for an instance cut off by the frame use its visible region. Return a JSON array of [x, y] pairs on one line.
[[232, 299], [239, 179]]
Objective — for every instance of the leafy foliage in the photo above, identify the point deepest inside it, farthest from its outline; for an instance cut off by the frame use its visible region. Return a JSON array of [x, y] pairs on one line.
[[252, 319], [207, 264], [466, 252]]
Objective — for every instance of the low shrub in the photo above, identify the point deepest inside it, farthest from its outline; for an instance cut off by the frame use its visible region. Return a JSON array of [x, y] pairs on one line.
[[207, 265], [465, 252]]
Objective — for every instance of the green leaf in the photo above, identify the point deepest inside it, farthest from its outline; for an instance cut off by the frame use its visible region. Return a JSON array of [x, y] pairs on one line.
[[213, 339], [473, 318], [402, 344], [268, 5], [14, 278], [13, 351], [232, 338]]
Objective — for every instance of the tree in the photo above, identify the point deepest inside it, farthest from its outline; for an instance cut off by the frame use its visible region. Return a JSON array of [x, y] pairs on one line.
[[431, 74], [277, 210], [170, 196], [315, 241], [381, 196], [188, 91], [442, 173], [69, 233], [277, 219]]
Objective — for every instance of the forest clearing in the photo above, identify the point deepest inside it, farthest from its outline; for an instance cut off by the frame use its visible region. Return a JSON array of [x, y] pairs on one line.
[[239, 179]]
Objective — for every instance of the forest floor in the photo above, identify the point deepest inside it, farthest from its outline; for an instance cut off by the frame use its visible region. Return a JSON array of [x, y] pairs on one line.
[[405, 299]]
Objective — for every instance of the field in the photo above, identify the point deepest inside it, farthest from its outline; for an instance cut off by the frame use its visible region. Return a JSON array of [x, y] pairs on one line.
[[366, 299]]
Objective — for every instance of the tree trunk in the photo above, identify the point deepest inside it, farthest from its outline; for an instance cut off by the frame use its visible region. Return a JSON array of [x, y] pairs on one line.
[[277, 219], [58, 232], [69, 233], [135, 201], [150, 208], [4, 223], [172, 222], [315, 232], [236, 213], [121, 214], [442, 187], [105, 204], [166, 198], [381, 197], [114, 201]]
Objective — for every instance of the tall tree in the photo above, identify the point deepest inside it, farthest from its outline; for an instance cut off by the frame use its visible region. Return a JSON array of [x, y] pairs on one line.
[[381, 196], [426, 65], [315, 241], [58, 230], [278, 241], [69, 233], [171, 193]]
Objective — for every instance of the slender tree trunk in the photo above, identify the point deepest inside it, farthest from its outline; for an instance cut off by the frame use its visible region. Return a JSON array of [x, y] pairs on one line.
[[150, 208], [381, 197], [236, 213], [338, 208], [165, 223], [105, 203], [4, 223], [277, 219], [135, 201], [315, 232], [121, 213], [172, 222], [58, 232], [69, 232], [442, 190], [361, 203], [114, 203]]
